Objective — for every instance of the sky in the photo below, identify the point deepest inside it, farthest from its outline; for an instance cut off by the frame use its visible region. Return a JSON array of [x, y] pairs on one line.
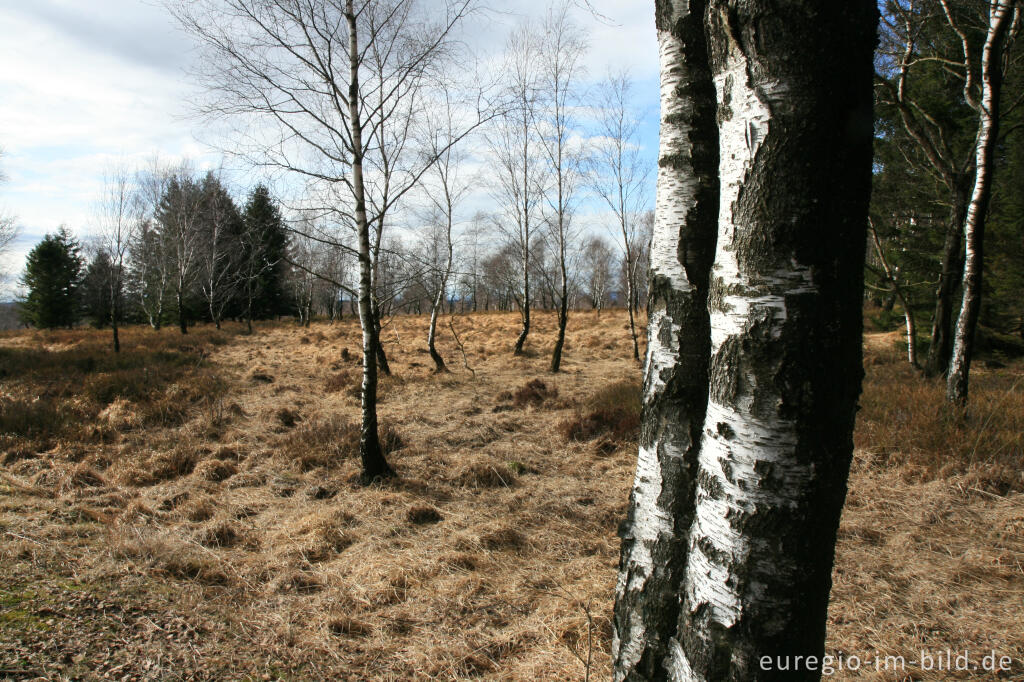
[[88, 86]]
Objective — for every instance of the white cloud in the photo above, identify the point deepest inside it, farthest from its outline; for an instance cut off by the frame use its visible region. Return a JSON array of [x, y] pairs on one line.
[[85, 85]]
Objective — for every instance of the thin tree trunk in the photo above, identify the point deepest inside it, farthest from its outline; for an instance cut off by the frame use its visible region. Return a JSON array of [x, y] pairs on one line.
[[900, 294], [940, 347], [654, 536], [524, 309], [563, 319], [439, 366], [382, 359], [629, 305], [373, 463], [115, 311], [1001, 14], [182, 324], [786, 327]]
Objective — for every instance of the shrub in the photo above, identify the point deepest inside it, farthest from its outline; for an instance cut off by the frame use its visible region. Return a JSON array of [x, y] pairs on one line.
[[613, 412], [533, 392]]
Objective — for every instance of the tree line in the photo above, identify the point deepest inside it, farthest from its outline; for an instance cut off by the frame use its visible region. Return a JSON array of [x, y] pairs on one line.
[[171, 247], [201, 256]]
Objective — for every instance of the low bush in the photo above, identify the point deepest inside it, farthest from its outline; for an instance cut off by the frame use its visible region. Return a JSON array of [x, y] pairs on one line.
[[613, 412], [534, 392]]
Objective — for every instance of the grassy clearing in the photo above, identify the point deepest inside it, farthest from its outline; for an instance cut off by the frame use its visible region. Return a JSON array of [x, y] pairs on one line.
[[227, 540]]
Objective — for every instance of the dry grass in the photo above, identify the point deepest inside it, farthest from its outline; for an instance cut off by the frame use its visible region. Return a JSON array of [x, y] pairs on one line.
[[230, 541]]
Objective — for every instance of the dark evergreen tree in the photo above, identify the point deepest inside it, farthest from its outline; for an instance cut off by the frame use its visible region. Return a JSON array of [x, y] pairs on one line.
[[264, 250], [53, 272], [221, 241]]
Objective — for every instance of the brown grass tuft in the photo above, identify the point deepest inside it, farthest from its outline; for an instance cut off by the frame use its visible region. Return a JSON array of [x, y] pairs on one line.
[[612, 412], [82, 476], [421, 515], [218, 534], [338, 382], [196, 510], [534, 392], [215, 470], [485, 475], [503, 539], [288, 417], [345, 625], [300, 582], [258, 375], [321, 443]]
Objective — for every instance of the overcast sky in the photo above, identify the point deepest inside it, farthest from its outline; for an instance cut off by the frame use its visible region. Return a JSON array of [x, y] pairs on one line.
[[86, 85]]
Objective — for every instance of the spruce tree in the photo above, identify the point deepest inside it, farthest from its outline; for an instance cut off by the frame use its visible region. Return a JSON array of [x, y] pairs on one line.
[[53, 272], [264, 249]]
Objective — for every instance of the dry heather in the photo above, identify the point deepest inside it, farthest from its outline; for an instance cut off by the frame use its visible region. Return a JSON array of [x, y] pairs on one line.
[[200, 521]]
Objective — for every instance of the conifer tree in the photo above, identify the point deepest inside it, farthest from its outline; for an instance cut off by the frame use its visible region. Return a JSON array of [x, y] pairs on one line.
[[53, 272], [264, 249]]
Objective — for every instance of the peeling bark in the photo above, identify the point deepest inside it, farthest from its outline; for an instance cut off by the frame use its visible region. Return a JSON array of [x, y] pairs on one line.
[[795, 128], [675, 378]]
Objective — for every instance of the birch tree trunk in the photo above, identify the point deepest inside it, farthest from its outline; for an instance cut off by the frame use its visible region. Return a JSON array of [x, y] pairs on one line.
[[373, 463], [525, 308], [439, 365], [654, 536], [794, 84], [1002, 13], [897, 289]]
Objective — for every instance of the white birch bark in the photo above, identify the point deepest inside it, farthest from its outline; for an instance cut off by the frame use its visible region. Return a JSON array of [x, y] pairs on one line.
[[675, 374], [1004, 18], [785, 333]]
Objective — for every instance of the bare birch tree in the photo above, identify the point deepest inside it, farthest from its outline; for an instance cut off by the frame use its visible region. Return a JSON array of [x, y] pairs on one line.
[[307, 74], [119, 214], [519, 182], [621, 177], [596, 262], [150, 258], [891, 275], [1004, 20], [445, 190], [561, 53], [675, 391], [219, 256], [8, 223], [180, 217], [727, 555]]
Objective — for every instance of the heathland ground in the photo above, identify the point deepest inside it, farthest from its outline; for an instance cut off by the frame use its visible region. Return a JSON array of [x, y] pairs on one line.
[[189, 509]]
